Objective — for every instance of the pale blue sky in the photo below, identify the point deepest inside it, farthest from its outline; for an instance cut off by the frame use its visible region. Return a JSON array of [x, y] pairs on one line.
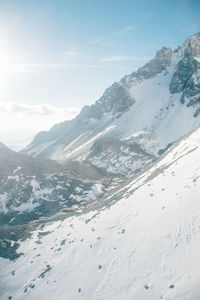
[[65, 53]]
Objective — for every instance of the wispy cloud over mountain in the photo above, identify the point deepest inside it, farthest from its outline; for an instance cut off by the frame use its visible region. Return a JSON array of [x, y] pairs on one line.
[[45, 110]]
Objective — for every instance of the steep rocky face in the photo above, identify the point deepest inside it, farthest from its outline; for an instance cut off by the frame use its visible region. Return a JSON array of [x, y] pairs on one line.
[[115, 100], [183, 73], [186, 77], [155, 66]]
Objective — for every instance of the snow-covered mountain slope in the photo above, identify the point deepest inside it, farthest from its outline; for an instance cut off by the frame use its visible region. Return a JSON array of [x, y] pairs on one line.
[[144, 246], [31, 188], [160, 99]]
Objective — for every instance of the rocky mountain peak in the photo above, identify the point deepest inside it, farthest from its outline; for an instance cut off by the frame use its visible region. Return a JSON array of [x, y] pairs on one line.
[[192, 45], [116, 100], [159, 63], [186, 77], [163, 54]]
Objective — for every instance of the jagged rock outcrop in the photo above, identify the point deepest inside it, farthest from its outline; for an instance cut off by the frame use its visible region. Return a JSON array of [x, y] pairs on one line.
[[155, 66], [186, 77]]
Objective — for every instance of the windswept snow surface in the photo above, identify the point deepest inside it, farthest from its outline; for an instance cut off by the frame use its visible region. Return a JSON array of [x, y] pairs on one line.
[[145, 246]]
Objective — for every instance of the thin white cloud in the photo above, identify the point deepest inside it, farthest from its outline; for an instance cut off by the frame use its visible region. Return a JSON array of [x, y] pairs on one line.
[[119, 58], [31, 67], [71, 57], [98, 40], [37, 117], [106, 37], [125, 30], [147, 47], [115, 58], [35, 110]]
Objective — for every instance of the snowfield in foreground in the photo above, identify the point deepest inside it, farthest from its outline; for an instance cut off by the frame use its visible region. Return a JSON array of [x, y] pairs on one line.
[[145, 246]]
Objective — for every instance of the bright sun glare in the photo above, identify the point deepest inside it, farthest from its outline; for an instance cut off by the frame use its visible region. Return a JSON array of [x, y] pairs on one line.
[[7, 58]]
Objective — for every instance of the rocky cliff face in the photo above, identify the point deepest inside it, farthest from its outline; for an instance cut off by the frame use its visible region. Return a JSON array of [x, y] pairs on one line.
[[115, 100], [186, 78], [155, 66]]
